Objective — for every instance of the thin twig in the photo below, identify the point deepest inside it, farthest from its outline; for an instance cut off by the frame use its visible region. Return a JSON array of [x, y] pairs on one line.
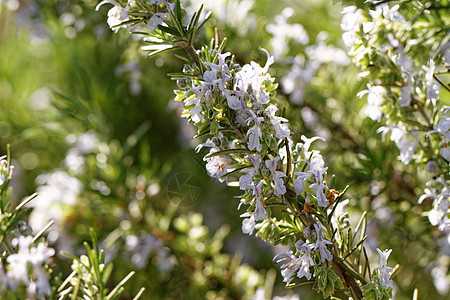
[[441, 83], [288, 154], [367, 262]]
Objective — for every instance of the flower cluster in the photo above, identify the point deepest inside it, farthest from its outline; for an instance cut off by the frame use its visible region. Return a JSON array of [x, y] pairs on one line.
[[409, 98], [27, 266], [380, 39], [299, 264], [249, 145]]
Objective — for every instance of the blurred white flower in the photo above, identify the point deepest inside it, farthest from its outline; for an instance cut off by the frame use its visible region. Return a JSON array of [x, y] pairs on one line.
[[33, 257], [283, 32]]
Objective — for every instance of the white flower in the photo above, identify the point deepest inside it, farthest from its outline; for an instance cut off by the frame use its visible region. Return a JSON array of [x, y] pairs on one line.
[[116, 15], [432, 86], [384, 271], [34, 257], [307, 143], [248, 224], [351, 20], [216, 165], [374, 101], [283, 32], [196, 111]]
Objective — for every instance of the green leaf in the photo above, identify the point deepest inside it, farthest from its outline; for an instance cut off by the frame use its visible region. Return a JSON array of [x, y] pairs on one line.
[[208, 15], [235, 171], [116, 290], [169, 30], [214, 128], [194, 26], [229, 151], [160, 51], [106, 273], [179, 12]]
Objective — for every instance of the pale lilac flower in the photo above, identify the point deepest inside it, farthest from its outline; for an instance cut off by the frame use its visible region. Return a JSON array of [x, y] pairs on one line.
[[253, 118], [233, 101], [220, 68], [255, 134], [307, 143], [406, 141], [196, 111], [289, 266], [443, 128], [260, 211], [272, 164], [281, 130], [140, 247], [164, 261], [299, 186], [216, 165], [245, 181], [155, 20], [277, 176], [251, 78], [406, 91], [256, 189], [438, 215], [321, 244], [293, 264], [278, 182], [384, 271], [320, 195], [304, 250]]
